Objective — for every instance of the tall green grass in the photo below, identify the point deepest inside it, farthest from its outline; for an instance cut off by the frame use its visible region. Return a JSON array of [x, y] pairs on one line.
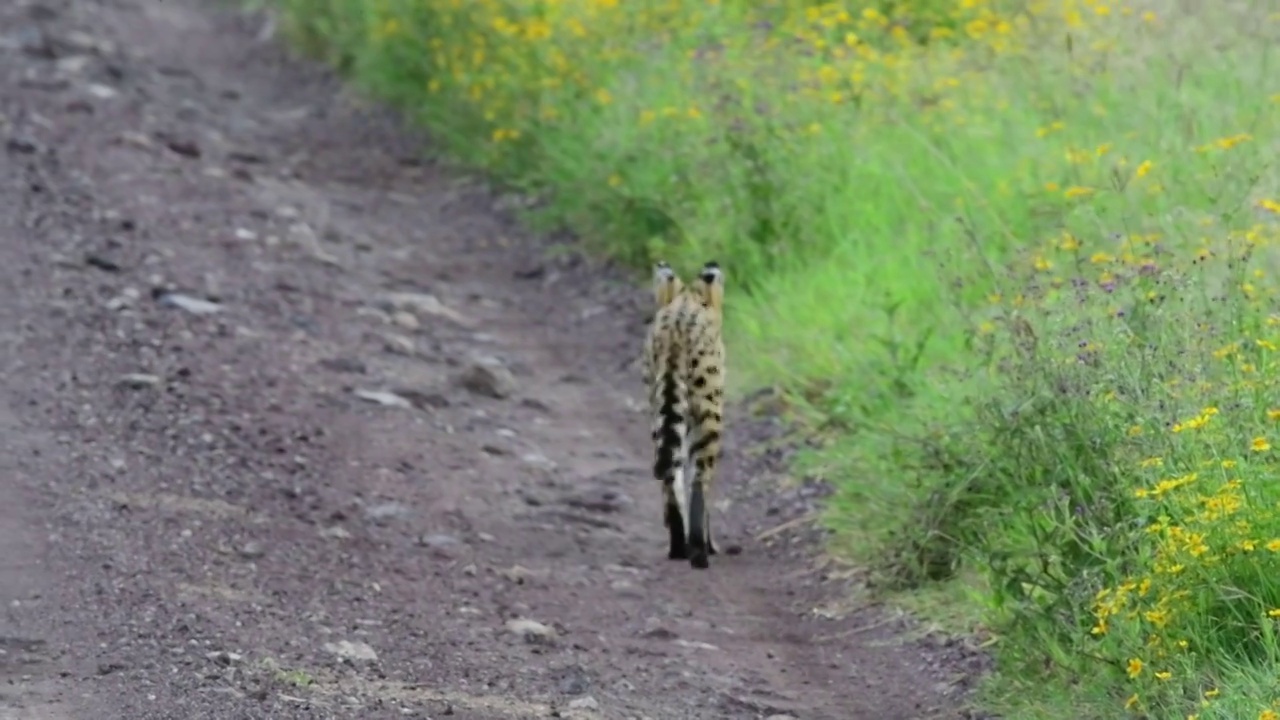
[[971, 245]]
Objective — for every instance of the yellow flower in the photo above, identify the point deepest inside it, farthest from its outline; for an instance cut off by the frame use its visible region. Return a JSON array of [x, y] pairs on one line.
[[1135, 667], [1273, 415], [1227, 143], [1273, 613], [1212, 693], [1164, 675], [1144, 168], [1132, 701], [1053, 127], [1260, 444], [1077, 191], [1268, 714], [1273, 545]]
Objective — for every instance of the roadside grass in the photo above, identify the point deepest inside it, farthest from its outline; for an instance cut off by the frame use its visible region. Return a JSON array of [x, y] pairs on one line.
[[1014, 263]]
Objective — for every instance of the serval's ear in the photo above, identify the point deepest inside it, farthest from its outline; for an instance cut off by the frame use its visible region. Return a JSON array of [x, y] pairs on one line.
[[711, 285], [666, 284]]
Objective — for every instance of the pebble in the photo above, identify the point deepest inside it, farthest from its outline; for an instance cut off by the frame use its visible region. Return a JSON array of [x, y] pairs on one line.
[[487, 378], [351, 651], [532, 631]]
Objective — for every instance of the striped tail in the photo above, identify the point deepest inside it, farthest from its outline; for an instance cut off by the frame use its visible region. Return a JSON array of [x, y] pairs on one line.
[[670, 436]]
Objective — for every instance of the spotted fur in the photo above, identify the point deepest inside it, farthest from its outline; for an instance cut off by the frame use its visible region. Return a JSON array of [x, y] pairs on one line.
[[684, 364]]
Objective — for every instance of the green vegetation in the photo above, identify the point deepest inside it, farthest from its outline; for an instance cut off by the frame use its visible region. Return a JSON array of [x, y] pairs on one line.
[[1014, 263]]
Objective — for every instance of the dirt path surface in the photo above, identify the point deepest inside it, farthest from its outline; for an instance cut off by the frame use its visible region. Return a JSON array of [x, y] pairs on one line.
[[293, 425]]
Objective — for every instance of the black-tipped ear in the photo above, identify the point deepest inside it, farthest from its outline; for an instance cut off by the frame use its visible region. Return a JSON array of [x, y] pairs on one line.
[[711, 272]]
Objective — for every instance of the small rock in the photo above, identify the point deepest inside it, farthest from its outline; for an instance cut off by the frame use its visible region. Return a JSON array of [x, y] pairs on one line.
[[138, 381], [661, 633], [22, 145], [336, 532], [101, 263], [252, 550], [423, 400], [427, 304], [351, 651], [519, 573], [110, 666], [406, 320], [100, 91], [538, 460], [782, 717], [695, 644], [584, 703], [118, 303], [626, 588], [438, 541], [602, 501], [382, 397], [245, 156], [73, 65], [532, 631], [344, 365], [489, 379], [304, 236], [193, 305], [134, 139], [185, 148], [224, 658], [398, 344], [387, 511], [536, 404], [574, 682]]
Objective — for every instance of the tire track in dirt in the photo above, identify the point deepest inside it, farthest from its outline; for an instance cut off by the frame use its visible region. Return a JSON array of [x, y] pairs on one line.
[[237, 531]]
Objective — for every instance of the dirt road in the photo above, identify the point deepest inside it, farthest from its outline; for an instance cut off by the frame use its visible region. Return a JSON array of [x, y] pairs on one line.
[[293, 424]]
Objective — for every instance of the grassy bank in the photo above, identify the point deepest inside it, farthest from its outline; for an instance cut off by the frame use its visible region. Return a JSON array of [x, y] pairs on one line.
[[1014, 261]]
